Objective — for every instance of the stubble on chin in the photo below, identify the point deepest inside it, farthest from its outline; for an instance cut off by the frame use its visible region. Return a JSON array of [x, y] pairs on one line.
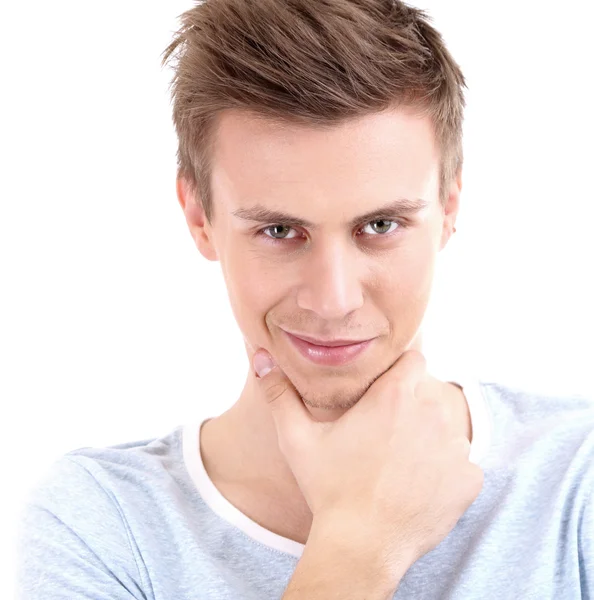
[[330, 400]]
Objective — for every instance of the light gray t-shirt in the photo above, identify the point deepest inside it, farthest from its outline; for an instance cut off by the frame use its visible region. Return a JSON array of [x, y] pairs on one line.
[[143, 520]]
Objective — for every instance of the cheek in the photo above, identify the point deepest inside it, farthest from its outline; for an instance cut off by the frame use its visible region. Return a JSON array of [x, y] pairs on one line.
[[403, 277], [254, 289]]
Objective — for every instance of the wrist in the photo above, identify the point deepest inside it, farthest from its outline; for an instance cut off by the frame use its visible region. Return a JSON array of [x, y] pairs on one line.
[[359, 551]]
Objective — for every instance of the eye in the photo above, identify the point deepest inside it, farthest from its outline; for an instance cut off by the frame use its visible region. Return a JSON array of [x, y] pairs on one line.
[[381, 226], [279, 232]]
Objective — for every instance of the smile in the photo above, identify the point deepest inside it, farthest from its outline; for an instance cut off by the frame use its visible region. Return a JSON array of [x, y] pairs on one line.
[[328, 355]]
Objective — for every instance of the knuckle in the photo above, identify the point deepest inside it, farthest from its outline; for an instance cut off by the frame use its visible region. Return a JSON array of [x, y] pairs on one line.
[[418, 357], [437, 414], [462, 446], [394, 400], [465, 442]]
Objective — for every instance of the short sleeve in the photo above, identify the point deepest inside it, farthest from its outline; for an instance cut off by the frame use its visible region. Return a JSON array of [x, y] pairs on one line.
[[586, 550], [72, 541]]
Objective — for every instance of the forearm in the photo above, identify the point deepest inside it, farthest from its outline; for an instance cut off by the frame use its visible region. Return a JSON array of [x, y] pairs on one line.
[[332, 569]]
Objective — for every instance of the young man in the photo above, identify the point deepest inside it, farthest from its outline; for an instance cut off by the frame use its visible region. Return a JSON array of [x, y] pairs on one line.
[[320, 157]]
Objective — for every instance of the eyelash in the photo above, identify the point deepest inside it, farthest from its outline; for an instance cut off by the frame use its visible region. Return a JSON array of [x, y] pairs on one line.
[[401, 225]]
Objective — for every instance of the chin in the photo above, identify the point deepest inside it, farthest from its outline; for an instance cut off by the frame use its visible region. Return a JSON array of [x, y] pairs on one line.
[[338, 393]]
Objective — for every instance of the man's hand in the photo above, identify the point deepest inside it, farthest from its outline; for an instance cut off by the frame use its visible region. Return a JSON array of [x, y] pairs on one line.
[[390, 475]]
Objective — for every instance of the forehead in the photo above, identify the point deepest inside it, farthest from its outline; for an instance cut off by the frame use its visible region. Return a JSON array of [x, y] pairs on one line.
[[255, 159]]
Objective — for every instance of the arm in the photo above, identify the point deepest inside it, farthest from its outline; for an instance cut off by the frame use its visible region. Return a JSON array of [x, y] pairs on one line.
[[72, 541], [336, 566]]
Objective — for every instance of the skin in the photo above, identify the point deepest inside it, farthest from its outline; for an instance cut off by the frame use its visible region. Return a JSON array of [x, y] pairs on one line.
[[373, 280]]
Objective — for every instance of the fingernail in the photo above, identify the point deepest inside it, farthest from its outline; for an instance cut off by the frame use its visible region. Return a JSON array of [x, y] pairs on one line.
[[263, 363]]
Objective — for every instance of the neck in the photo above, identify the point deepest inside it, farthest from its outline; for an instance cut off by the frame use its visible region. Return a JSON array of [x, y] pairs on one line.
[[241, 444], [240, 452]]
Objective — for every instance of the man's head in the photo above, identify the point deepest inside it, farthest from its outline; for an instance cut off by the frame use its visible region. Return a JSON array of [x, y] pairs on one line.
[[327, 112]]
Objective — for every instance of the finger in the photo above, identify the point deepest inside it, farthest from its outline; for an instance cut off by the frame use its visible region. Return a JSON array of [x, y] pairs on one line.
[[400, 380], [410, 369], [291, 418], [463, 444]]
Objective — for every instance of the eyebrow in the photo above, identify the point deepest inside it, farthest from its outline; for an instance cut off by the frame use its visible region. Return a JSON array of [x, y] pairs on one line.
[[261, 214]]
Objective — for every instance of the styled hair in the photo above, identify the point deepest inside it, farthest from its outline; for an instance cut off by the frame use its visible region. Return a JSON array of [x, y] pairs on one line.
[[310, 62]]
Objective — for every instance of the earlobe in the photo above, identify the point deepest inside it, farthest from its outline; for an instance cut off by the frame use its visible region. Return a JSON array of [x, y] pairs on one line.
[[199, 227]]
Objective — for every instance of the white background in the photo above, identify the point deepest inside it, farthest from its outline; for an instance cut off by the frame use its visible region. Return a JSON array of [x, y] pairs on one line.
[[112, 325]]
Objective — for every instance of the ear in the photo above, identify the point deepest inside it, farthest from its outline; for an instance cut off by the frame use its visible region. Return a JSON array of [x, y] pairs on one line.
[[451, 209], [201, 230]]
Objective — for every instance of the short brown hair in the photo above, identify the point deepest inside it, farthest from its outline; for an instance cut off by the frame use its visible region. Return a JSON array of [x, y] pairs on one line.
[[314, 62]]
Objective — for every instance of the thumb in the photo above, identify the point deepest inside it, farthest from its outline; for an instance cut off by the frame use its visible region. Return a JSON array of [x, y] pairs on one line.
[[291, 418]]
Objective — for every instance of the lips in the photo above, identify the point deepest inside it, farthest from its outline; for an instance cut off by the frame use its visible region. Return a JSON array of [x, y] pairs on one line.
[[337, 354], [328, 343]]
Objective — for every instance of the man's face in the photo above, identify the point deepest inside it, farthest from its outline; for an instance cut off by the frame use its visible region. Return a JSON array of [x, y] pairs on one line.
[[338, 276]]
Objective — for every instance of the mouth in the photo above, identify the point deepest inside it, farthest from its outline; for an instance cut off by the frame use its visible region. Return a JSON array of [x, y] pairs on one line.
[[339, 353]]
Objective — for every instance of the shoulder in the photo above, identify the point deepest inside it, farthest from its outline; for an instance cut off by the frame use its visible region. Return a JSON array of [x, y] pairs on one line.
[[534, 411], [86, 487], [125, 467], [75, 526], [90, 489], [72, 535], [538, 404], [535, 427]]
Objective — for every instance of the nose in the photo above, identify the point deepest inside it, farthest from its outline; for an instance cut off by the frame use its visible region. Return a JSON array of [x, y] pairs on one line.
[[331, 286]]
